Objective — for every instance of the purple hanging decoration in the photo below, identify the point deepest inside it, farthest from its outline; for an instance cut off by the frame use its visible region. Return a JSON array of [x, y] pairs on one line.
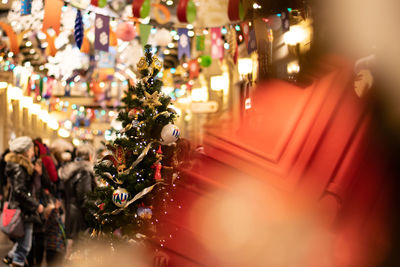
[[26, 7], [252, 45], [102, 32], [184, 43], [78, 30]]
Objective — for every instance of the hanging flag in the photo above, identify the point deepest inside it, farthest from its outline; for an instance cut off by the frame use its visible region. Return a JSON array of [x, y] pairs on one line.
[[144, 30], [52, 15], [200, 42], [186, 11], [252, 44], [285, 21], [217, 48], [194, 69], [102, 32], [78, 30], [26, 7], [94, 2], [246, 31], [184, 43]]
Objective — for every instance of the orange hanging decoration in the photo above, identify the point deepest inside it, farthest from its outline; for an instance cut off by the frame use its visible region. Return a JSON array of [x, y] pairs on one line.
[[14, 47], [163, 9], [113, 38], [85, 48], [51, 49]]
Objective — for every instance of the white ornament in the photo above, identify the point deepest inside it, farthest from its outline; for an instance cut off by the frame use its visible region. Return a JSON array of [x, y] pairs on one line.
[[169, 134], [163, 37], [120, 197]]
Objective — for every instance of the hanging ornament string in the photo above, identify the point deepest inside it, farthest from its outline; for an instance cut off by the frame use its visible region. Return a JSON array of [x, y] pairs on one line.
[[136, 197], [78, 29]]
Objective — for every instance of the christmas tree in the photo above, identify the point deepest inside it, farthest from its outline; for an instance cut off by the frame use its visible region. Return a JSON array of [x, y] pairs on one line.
[[140, 168]]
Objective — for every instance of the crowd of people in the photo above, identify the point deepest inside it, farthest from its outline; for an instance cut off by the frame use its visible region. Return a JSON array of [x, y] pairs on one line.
[[49, 185]]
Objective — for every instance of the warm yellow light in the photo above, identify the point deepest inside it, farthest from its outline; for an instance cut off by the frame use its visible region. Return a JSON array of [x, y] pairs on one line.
[[245, 66], [44, 116], [167, 90], [27, 102], [64, 133], [14, 93], [35, 109], [3, 85], [220, 82], [200, 94], [295, 35], [76, 141], [293, 67], [53, 123]]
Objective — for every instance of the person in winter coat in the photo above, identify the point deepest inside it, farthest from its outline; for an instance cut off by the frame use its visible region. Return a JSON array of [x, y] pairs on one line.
[[79, 181], [21, 172], [3, 177]]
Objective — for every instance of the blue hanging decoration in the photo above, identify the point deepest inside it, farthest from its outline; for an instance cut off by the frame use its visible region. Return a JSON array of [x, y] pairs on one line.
[[78, 32], [26, 7]]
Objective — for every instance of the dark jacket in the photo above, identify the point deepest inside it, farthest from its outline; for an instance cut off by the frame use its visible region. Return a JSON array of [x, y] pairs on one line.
[[79, 181], [19, 171]]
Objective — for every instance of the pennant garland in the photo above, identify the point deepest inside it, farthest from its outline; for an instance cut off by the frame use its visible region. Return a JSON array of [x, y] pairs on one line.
[[200, 42], [102, 32], [141, 8], [78, 29], [52, 15], [26, 7], [194, 69], [217, 48], [144, 30], [184, 43], [285, 21], [186, 11], [246, 31], [252, 44]]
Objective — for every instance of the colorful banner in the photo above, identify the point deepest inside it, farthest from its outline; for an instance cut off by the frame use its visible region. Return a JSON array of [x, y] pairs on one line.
[[186, 11], [52, 15], [217, 48], [78, 29], [246, 32], [194, 69], [200, 42], [102, 32], [26, 7], [184, 43], [252, 45], [285, 21], [144, 30]]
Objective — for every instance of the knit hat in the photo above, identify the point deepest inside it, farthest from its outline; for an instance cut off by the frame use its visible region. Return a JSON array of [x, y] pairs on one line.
[[21, 144]]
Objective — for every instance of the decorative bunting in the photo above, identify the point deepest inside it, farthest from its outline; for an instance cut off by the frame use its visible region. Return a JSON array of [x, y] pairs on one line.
[[102, 32], [52, 15], [217, 48], [78, 30], [252, 44], [144, 33], [233, 10], [186, 11], [12, 37], [141, 8], [184, 43], [246, 31], [164, 10], [200, 42], [26, 7], [194, 69], [285, 21], [98, 3]]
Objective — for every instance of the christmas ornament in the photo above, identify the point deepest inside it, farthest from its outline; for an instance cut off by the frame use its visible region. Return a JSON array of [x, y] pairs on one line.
[[163, 9], [169, 134], [101, 206], [141, 8], [151, 100], [186, 11], [205, 61], [78, 32], [144, 212], [156, 64], [118, 158], [120, 197], [157, 165], [142, 64], [26, 7], [126, 31]]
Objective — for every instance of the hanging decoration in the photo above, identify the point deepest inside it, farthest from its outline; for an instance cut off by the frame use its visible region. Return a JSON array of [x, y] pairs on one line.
[[51, 49], [144, 212], [26, 7], [125, 31], [98, 3], [52, 15], [205, 61], [200, 42], [252, 45], [235, 10], [217, 48], [194, 69], [163, 37], [144, 33], [186, 11], [285, 21], [78, 30], [102, 32], [113, 38], [141, 8], [246, 31], [85, 48], [14, 46], [120, 197], [169, 134], [184, 43], [159, 8], [81, 4], [233, 45]]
